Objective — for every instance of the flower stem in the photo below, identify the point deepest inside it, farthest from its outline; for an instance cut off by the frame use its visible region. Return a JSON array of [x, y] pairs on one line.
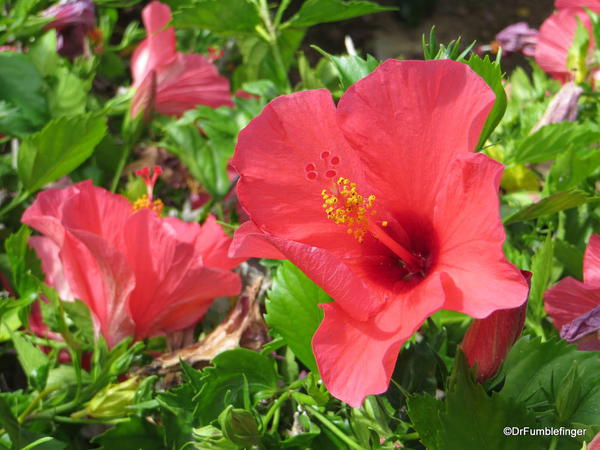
[[272, 34], [282, 398], [335, 430], [120, 167]]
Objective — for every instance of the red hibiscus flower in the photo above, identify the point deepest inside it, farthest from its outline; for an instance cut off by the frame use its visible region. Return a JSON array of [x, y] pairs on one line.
[[574, 306], [141, 275], [557, 33], [382, 203], [183, 81]]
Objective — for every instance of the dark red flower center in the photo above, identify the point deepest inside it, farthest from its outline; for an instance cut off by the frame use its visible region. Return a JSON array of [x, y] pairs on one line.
[[346, 207]]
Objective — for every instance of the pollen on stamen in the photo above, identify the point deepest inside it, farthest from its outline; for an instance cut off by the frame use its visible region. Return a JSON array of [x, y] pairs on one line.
[[348, 208]]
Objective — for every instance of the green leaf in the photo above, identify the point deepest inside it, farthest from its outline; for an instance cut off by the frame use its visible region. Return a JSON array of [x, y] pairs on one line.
[[577, 55], [23, 262], [571, 168], [536, 371], [34, 362], [469, 419], [23, 107], [202, 157], [491, 73], [570, 256], [552, 139], [223, 383], [135, 434], [433, 50], [43, 54], [313, 12], [541, 267], [60, 147], [68, 93], [293, 311], [235, 17], [551, 205], [79, 313], [350, 68]]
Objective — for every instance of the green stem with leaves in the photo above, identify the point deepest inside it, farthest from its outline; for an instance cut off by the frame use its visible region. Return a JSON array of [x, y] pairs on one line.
[[271, 38]]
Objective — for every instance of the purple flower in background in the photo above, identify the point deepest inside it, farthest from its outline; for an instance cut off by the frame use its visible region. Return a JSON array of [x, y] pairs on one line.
[[518, 37], [73, 19], [584, 331]]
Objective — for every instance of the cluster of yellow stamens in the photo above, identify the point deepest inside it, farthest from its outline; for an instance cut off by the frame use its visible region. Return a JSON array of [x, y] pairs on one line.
[[144, 202], [349, 208]]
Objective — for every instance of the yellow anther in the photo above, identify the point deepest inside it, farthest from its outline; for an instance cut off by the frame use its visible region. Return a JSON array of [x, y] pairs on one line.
[[351, 208], [144, 203], [384, 223]]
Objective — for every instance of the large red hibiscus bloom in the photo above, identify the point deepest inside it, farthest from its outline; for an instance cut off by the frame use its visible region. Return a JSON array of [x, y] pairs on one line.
[[141, 275], [574, 306], [557, 33], [382, 203], [182, 80]]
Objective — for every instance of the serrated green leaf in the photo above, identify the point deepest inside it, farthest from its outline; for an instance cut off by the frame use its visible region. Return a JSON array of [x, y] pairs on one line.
[[350, 68], [21, 94], [293, 311], [551, 205], [535, 371], [229, 17], [68, 93], [222, 384], [469, 419], [60, 147], [313, 12], [552, 139], [491, 73]]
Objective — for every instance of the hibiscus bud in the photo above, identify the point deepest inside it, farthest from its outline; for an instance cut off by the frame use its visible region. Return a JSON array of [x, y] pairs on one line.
[[563, 107], [239, 426], [73, 19], [569, 394], [112, 401], [487, 341]]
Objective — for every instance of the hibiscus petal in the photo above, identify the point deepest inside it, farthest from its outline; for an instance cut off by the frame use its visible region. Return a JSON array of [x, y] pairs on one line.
[[49, 254], [99, 275], [98, 211], [249, 241], [471, 242], [210, 240], [188, 81], [45, 213], [193, 295], [297, 141], [177, 279], [408, 120], [355, 295], [568, 299], [357, 358], [594, 5], [555, 38], [156, 16], [591, 261]]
